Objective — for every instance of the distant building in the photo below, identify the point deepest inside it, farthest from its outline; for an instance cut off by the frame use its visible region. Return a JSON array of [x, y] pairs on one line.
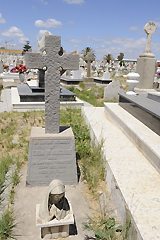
[[127, 60], [9, 56]]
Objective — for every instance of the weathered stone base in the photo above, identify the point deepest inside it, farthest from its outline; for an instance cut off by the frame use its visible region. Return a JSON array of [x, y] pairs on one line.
[[55, 232], [55, 228], [146, 70], [51, 156]]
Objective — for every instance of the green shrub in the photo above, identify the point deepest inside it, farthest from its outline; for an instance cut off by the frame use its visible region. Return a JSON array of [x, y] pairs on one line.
[[104, 228]]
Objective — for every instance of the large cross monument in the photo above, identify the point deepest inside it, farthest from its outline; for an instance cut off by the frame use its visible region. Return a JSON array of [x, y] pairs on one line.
[[51, 149]]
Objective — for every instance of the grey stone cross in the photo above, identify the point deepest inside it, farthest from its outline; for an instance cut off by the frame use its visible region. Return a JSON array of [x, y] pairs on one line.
[[50, 59]]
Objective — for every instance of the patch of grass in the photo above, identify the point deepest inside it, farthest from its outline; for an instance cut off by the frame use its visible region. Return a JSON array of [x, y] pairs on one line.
[[73, 118], [5, 163], [92, 95], [15, 179], [17, 126], [6, 225], [93, 167]]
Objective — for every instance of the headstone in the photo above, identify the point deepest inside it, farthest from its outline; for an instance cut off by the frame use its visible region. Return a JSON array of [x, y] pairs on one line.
[[106, 75], [111, 91], [146, 62], [51, 149], [73, 77], [76, 74]]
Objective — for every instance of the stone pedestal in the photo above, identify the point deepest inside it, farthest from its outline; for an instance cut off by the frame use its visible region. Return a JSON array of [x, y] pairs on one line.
[[132, 81], [55, 228], [51, 156], [146, 69]]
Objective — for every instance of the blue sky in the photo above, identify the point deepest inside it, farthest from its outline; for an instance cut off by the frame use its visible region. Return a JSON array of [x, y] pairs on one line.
[[112, 26]]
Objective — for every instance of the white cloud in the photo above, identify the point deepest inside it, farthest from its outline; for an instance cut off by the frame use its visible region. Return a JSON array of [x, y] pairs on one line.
[[15, 32], [75, 41], [133, 29], [45, 2], [41, 33], [2, 20], [131, 47], [74, 1], [49, 23]]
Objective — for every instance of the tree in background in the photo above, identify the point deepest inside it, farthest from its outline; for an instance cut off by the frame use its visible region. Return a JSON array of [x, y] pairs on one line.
[[120, 59], [108, 58], [88, 56], [27, 48]]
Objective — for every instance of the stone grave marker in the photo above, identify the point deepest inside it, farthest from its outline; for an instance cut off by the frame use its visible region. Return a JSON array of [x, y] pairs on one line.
[[146, 62], [50, 59], [111, 91], [51, 149]]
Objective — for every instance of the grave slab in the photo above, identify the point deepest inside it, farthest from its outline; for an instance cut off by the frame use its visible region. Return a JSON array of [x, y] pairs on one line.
[[51, 156], [36, 94]]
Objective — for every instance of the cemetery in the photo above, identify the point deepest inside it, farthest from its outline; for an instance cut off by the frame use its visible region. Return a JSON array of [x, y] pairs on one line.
[[80, 146]]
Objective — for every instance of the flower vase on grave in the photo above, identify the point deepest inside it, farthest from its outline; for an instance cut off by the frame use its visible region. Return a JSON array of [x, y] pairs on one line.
[[132, 81], [21, 77]]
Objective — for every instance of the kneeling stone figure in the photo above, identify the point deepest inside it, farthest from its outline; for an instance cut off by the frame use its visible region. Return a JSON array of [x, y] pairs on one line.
[[53, 211]]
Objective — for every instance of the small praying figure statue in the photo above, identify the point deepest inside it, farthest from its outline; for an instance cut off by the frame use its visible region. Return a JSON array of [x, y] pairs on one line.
[[55, 213], [55, 205], [149, 28]]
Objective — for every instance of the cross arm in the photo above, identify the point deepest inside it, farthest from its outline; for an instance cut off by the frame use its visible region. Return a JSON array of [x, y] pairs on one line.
[[34, 60], [70, 62]]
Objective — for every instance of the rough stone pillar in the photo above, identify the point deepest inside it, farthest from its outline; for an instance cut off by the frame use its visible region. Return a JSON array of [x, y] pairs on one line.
[[146, 68]]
